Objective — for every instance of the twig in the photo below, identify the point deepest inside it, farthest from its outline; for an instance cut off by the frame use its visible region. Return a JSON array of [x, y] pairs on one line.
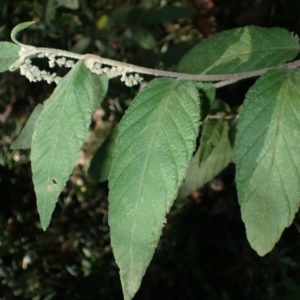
[[91, 59]]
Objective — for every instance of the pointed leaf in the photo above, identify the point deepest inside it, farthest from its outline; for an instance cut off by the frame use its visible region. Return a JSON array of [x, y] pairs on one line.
[[241, 50], [153, 149], [71, 4], [23, 141], [212, 128], [100, 86], [17, 29], [268, 157], [9, 53], [210, 137], [101, 162], [219, 159], [207, 96], [219, 108], [59, 134], [143, 37], [166, 14]]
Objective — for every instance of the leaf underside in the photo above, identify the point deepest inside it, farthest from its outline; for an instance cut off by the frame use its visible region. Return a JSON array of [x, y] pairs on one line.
[[268, 157], [207, 96], [210, 137], [153, 149], [101, 162], [218, 159], [59, 133]]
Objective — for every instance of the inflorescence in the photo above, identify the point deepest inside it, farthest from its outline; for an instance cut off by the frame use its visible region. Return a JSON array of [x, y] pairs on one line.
[[33, 73], [114, 71]]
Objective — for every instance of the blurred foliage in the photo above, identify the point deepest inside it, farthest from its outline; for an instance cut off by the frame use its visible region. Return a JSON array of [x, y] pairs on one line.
[[203, 252]]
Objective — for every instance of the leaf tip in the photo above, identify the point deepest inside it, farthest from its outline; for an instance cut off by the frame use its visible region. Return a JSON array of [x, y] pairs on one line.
[[45, 224], [262, 252], [17, 29]]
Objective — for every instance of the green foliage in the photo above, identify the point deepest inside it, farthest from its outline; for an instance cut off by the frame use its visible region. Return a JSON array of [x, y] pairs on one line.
[[207, 93], [9, 53], [17, 29], [153, 148], [24, 139], [101, 162], [149, 16], [59, 133], [268, 159], [167, 13], [212, 129], [210, 137], [147, 160], [241, 50], [71, 4], [143, 37], [219, 158]]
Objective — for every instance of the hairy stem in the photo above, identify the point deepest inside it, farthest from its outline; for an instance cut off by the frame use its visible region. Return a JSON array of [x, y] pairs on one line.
[[90, 59]]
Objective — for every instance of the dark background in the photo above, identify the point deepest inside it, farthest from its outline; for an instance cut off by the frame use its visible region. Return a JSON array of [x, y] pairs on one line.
[[203, 252]]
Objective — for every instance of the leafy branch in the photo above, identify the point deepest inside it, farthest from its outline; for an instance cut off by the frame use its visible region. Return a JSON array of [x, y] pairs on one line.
[[151, 152], [113, 68]]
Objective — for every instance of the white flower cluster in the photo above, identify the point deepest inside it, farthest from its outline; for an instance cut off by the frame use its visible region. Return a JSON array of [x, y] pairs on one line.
[[98, 69], [114, 71], [61, 62], [33, 73], [132, 79]]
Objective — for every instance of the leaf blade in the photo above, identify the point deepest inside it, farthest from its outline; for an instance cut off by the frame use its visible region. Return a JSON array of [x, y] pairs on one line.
[[59, 133], [23, 141], [268, 173], [210, 137], [19, 28], [101, 162], [9, 53], [241, 50], [207, 96], [147, 170], [219, 158], [143, 37]]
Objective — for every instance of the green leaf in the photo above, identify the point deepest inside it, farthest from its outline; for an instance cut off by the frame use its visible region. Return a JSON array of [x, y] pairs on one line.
[[219, 159], [9, 53], [268, 157], [167, 13], [210, 137], [82, 45], [59, 133], [212, 127], [23, 141], [219, 108], [233, 129], [153, 149], [175, 52], [17, 29], [207, 96], [100, 84], [71, 4], [241, 50], [143, 37], [101, 162], [125, 14]]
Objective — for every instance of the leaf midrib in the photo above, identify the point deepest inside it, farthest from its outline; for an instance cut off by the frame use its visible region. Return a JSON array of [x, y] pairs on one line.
[[158, 125]]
